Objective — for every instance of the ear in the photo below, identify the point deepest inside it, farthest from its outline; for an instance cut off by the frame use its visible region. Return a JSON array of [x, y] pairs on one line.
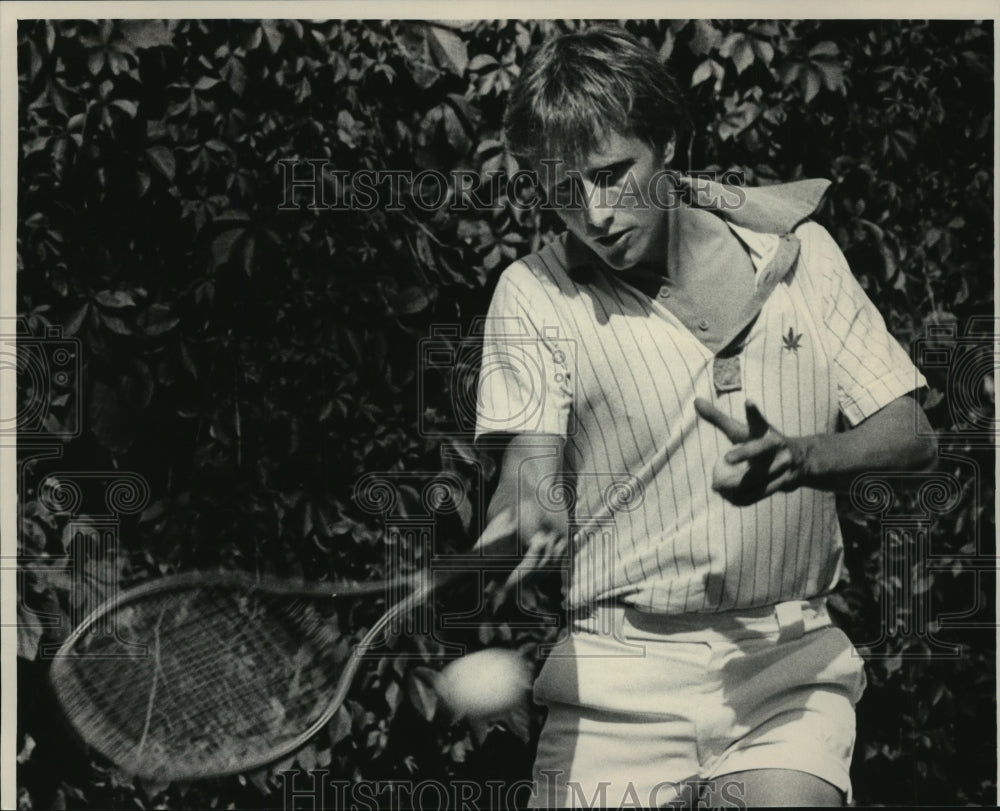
[[668, 150]]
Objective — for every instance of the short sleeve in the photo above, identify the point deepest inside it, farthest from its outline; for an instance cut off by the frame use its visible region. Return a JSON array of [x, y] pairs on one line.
[[526, 375], [870, 366]]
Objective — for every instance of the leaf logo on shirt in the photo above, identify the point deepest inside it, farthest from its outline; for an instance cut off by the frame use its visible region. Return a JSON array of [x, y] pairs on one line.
[[792, 341]]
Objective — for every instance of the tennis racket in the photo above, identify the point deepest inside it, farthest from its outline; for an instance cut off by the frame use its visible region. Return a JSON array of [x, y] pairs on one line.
[[203, 675]]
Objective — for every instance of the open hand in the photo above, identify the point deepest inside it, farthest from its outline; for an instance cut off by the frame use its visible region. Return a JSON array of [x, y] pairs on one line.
[[762, 461]]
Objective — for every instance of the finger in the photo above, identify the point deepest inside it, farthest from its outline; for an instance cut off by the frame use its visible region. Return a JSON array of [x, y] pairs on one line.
[[781, 484], [780, 466], [503, 592], [516, 576], [536, 552], [513, 581], [539, 552], [502, 527], [726, 477], [755, 420], [542, 547], [735, 430], [750, 451], [780, 479]]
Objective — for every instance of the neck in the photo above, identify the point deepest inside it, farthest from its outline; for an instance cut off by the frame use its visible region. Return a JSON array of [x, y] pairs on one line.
[[662, 258]]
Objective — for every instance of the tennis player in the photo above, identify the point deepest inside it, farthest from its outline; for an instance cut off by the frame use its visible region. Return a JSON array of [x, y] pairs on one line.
[[698, 362]]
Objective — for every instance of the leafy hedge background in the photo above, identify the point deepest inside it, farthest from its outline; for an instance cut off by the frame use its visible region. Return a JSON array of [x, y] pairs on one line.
[[252, 363]]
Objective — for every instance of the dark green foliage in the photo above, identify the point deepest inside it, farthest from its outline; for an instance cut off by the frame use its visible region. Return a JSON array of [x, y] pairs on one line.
[[252, 362]]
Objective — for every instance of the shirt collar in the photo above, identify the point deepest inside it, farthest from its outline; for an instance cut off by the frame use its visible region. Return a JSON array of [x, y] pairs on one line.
[[757, 215], [776, 209]]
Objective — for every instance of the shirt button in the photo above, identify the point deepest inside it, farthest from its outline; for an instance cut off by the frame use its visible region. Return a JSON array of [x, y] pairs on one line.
[[703, 325], [664, 292]]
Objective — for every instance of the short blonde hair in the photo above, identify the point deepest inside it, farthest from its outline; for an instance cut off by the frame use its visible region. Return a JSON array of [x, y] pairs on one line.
[[578, 87]]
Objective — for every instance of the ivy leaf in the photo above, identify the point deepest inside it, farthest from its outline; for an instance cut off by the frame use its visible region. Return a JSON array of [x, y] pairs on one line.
[[730, 42], [29, 632], [824, 50], [483, 63], [130, 108], [206, 83], [152, 512], [518, 721], [72, 326], [743, 55], [667, 47], [235, 74], [224, 245], [273, 36], [706, 37], [33, 539], [420, 690], [470, 117], [95, 62], [116, 325], [415, 43], [162, 159], [738, 119], [764, 51], [811, 81], [249, 251], [702, 73], [340, 725], [307, 757], [789, 72], [348, 128], [411, 300], [114, 299], [146, 34], [448, 49], [706, 70], [832, 74]]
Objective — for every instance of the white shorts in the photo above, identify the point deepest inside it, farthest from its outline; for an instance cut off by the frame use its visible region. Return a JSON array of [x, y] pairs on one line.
[[640, 704]]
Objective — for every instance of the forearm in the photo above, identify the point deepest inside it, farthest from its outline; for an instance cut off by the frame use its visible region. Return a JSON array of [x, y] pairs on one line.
[[896, 438], [537, 533], [529, 461]]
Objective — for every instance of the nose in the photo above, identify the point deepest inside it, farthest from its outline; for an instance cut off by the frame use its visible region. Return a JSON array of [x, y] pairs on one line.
[[597, 213]]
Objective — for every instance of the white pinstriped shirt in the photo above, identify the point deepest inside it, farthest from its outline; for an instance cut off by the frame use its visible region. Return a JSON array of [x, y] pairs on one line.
[[571, 349]]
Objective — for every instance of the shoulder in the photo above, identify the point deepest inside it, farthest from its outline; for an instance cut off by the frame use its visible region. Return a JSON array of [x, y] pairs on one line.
[[542, 273], [819, 251], [812, 233]]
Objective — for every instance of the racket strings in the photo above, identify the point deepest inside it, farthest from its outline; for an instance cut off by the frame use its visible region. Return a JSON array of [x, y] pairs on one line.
[[227, 673]]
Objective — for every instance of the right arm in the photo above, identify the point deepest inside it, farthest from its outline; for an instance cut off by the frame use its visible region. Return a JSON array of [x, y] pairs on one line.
[[525, 526], [525, 392]]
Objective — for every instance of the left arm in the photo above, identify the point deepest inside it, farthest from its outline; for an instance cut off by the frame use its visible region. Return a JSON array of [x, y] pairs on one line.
[[764, 461], [875, 381]]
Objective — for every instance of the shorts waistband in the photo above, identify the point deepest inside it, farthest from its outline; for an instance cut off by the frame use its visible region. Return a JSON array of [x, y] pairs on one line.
[[786, 620]]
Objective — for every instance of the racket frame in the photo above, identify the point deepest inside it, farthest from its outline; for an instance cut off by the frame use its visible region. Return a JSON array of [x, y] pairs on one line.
[[62, 660]]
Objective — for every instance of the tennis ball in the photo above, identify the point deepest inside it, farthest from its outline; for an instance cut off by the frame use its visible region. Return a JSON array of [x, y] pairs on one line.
[[726, 476], [486, 683]]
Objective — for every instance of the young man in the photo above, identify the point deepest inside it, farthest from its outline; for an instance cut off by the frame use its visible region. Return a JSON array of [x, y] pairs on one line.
[[683, 367]]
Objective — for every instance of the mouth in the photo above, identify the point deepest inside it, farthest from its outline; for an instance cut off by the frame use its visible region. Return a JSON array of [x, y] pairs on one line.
[[610, 240]]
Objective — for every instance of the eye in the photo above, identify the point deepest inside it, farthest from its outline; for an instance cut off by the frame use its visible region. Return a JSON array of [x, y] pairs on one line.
[[565, 188], [615, 174]]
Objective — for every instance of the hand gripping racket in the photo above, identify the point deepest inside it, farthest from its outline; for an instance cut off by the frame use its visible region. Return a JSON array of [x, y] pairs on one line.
[[210, 674]]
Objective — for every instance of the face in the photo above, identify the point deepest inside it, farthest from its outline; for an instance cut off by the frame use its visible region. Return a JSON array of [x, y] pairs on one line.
[[606, 201]]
